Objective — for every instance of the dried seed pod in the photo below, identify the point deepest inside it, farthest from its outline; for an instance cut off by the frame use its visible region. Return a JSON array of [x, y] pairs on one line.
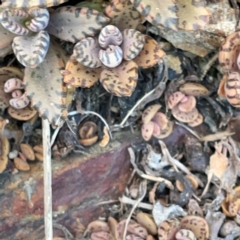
[[110, 35], [86, 52], [112, 56], [20, 102], [174, 99], [185, 234], [88, 133], [39, 21], [165, 132], [97, 226], [161, 120], [27, 150], [193, 89], [39, 156], [38, 149], [185, 116], [150, 112], [168, 229], [21, 164], [232, 89], [112, 223], [23, 114], [147, 222], [197, 225]]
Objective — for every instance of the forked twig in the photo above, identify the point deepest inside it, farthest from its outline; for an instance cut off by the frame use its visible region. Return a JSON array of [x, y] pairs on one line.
[[47, 167]]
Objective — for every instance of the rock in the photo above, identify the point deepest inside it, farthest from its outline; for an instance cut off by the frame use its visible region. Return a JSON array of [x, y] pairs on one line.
[[222, 23]]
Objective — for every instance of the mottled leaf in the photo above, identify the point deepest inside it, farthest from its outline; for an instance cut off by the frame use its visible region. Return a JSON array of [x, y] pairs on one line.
[[44, 85], [123, 14], [73, 24], [161, 13], [86, 52], [122, 80], [13, 21], [78, 75], [133, 42], [30, 51], [31, 3], [150, 54], [192, 17]]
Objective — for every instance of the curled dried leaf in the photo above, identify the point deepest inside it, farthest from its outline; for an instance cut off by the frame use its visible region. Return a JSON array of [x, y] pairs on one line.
[[194, 89], [185, 116], [122, 80], [197, 121], [88, 133], [174, 99], [168, 229], [147, 222], [22, 114], [27, 150], [21, 164], [150, 112], [106, 138]]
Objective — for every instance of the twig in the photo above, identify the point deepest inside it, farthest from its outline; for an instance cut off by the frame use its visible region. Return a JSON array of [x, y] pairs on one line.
[[47, 180], [143, 189]]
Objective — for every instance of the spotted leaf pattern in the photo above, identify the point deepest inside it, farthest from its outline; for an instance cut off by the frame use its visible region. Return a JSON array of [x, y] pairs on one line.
[[123, 14], [73, 24], [161, 13], [30, 51], [122, 80]]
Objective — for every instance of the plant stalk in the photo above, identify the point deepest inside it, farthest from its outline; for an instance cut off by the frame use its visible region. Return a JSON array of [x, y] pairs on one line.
[[47, 168]]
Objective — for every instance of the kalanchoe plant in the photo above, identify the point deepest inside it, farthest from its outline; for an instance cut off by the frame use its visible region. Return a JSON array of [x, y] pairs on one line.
[[118, 49]]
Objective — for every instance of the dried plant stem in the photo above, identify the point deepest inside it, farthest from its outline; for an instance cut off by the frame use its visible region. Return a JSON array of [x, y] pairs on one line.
[[208, 65], [47, 167], [130, 201]]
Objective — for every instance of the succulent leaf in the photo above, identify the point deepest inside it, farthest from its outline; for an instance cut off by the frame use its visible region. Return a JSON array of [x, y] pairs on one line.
[[122, 80], [30, 51], [133, 42], [13, 21], [79, 75], [123, 14], [5, 74], [31, 3], [40, 19], [23, 114], [44, 85], [86, 52], [192, 17], [73, 24], [161, 13], [150, 54]]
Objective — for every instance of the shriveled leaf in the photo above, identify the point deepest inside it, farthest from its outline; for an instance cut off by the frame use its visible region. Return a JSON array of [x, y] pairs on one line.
[[6, 37], [40, 19], [78, 75], [150, 54], [31, 3], [23, 114], [192, 17], [161, 13], [123, 14], [86, 52], [30, 51], [13, 21], [133, 42], [73, 24], [45, 86], [122, 80]]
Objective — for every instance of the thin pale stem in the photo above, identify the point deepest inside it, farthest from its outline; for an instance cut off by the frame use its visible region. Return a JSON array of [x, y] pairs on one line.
[[47, 167]]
